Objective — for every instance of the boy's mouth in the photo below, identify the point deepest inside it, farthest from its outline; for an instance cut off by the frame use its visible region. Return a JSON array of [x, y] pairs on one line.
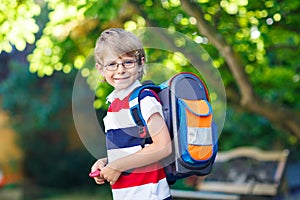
[[122, 78]]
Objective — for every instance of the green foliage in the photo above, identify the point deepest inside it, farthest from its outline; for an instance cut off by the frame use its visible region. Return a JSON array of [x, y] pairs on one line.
[[105, 10], [63, 45], [30, 109], [246, 129], [40, 110], [255, 30], [284, 80], [17, 25]]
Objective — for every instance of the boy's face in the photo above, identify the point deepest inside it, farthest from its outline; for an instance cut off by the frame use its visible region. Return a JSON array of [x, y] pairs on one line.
[[120, 73]]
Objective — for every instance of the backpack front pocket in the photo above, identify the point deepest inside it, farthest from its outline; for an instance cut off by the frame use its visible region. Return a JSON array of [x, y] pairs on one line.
[[195, 129]]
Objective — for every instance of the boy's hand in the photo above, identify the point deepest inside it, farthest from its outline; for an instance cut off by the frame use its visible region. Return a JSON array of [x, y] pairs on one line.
[[110, 174], [95, 171]]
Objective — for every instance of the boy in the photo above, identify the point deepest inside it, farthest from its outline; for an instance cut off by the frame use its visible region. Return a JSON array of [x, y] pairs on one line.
[[133, 171]]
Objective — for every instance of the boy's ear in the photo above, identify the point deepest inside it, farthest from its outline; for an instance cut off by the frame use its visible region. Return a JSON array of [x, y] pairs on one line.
[[143, 60], [98, 66], [100, 69]]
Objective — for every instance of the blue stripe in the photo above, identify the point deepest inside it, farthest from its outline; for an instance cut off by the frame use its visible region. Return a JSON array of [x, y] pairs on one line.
[[122, 138], [148, 93]]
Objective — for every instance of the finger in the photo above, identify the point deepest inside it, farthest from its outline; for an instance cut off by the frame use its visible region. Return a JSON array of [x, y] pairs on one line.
[[112, 182], [94, 168], [97, 165], [100, 181]]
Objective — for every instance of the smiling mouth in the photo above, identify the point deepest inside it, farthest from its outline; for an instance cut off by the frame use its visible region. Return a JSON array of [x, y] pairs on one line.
[[123, 78]]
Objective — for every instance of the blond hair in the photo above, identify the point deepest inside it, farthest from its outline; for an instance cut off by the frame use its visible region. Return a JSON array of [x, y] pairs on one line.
[[118, 42]]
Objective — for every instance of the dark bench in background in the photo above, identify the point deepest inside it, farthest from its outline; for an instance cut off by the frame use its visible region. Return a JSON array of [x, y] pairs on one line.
[[241, 172]]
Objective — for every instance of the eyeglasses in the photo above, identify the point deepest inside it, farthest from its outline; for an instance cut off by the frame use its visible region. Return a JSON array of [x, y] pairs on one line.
[[127, 64]]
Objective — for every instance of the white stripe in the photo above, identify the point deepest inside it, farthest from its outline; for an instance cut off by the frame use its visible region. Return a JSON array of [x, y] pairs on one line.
[[151, 191], [149, 106], [114, 154], [117, 120], [199, 136], [133, 102]]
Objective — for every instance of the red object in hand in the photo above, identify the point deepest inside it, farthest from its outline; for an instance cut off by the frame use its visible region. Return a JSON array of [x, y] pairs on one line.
[[95, 173]]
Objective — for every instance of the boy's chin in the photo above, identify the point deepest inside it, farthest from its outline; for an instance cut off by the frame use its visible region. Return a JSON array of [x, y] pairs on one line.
[[121, 87]]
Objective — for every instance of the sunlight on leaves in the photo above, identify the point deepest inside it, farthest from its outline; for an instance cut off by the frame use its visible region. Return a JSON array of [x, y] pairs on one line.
[[179, 59], [17, 26], [179, 42], [141, 21], [261, 33], [203, 1], [193, 20], [130, 25], [85, 72], [217, 63], [98, 104], [269, 4], [213, 96], [296, 78], [249, 69], [277, 17], [254, 32], [184, 21], [79, 61], [232, 6], [66, 24], [207, 17], [67, 68]]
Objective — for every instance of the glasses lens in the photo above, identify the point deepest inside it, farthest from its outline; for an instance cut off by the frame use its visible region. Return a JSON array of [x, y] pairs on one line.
[[126, 64], [112, 66]]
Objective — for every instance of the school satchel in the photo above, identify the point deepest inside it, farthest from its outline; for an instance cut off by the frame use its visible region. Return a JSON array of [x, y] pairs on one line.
[[189, 117]]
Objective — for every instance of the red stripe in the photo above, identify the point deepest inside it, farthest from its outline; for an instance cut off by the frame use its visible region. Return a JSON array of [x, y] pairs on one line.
[[141, 176], [118, 105]]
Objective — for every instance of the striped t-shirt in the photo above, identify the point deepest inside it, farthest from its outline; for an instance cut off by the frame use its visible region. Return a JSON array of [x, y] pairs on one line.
[[122, 139]]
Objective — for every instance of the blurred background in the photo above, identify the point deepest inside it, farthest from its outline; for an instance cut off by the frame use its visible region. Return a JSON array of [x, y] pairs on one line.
[[44, 44]]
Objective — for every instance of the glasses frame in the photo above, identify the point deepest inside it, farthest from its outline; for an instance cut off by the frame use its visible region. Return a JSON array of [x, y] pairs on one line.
[[115, 65]]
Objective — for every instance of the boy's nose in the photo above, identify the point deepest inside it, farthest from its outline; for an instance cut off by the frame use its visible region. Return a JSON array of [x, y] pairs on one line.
[[120, 68]]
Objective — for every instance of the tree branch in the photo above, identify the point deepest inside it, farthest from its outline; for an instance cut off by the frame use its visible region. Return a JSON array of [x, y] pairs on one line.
[[280, 116], [276, 114], [232, 59]]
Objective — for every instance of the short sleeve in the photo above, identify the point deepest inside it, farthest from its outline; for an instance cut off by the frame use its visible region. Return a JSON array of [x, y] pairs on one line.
[[149, 104]]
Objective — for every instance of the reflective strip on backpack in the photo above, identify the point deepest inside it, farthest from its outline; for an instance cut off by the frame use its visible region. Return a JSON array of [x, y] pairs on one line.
[[199, 136]]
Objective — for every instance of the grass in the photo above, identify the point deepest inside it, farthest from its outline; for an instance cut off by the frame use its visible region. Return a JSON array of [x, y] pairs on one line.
[[28, 191], [10, 194], [81, 194], [18, 192], [97, 192]]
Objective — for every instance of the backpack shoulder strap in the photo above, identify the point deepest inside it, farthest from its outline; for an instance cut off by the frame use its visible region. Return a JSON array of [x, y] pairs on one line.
[[135, 109]]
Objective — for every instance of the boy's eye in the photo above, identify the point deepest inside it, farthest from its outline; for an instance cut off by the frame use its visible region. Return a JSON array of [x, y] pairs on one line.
[[128, 62], [112, 64]]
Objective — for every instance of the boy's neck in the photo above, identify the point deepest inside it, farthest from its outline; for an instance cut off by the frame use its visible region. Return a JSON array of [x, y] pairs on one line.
[[121, 94]]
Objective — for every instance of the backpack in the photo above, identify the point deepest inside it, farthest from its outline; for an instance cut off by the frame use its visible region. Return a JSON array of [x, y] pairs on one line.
[[188, 115]]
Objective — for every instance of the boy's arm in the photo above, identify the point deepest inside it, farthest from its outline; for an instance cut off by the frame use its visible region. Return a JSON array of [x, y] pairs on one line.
[[159, 149]]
